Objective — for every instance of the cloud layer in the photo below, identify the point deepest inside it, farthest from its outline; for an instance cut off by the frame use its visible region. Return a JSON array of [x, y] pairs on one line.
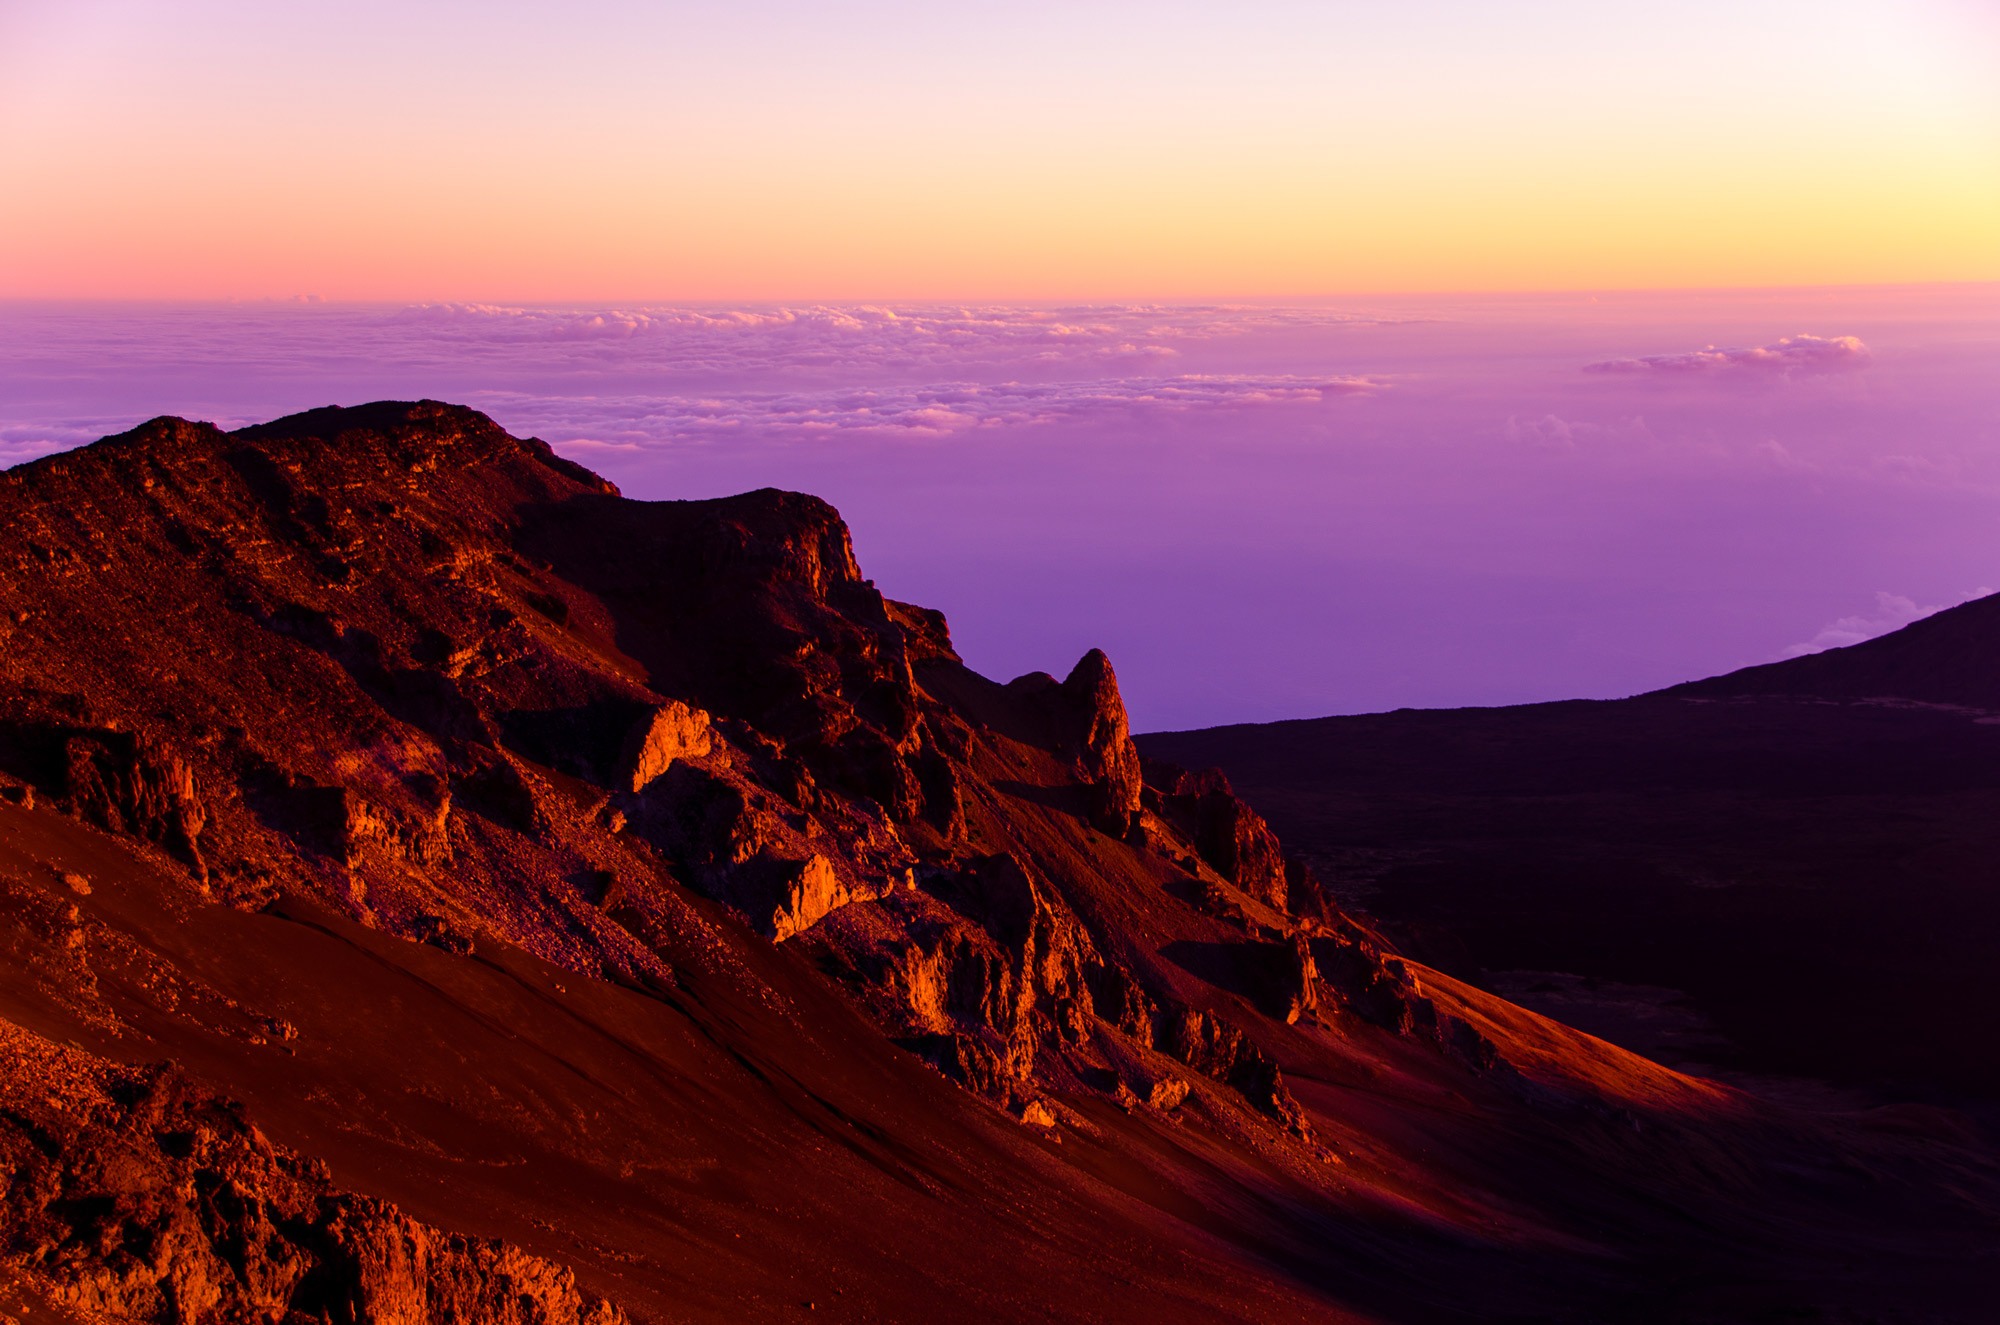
[[860, 338], [836, 371], [935, 409], [1260, 512], [655, 374], [1791, 356]]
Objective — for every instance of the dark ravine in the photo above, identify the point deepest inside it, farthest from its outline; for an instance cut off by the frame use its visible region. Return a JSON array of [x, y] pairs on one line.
[[628, 890]]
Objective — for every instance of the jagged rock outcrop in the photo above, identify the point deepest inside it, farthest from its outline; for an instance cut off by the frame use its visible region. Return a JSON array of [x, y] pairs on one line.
[[668, 732], [1214, 1047], [133, 1195], [1230, 836], [1383, 989], [1107, 760], [1294, 979], [513, 674], [983, 969], [744, 845], [122, 781]]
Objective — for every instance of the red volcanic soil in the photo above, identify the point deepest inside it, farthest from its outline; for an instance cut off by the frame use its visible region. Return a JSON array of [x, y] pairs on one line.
[[435, 887], [1786, 872]]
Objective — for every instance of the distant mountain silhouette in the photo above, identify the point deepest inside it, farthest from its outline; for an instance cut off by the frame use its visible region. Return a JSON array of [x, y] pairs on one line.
[[1801, 854], [1950, 657]]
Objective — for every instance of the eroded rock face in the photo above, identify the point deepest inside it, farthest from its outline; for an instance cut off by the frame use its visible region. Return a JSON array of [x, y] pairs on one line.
[[1108, 760], [131, 1194], [1213, 1046], [1296, 979], [1231, 837], [742, 844], [119, 780], [807, 890], [666, 733], [350, 826], [1381, 988], [452, 685], [984, 968]]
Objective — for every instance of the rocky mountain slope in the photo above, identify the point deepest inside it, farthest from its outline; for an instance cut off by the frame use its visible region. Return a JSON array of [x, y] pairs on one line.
[[1785, 872], [629, 889], [135, 1195]]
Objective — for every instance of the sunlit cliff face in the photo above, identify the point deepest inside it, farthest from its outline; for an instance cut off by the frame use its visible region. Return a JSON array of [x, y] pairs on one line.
[[1259, 512]]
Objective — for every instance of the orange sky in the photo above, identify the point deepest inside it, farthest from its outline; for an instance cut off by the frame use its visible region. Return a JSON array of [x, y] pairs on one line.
[[783, 151]]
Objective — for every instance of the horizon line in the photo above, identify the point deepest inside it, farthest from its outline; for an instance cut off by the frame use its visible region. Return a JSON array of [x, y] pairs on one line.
[[313, 300]]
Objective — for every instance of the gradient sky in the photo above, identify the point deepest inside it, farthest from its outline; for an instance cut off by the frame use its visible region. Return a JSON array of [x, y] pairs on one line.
[[781, 149], [1104, 323]]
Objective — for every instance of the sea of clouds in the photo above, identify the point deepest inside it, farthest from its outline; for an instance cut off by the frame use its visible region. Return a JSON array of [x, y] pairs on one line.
[[1260, 512], [618, 376]]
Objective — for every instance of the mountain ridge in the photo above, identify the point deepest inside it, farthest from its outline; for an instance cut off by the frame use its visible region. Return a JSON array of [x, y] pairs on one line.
[[723, 885], [1947, 657]]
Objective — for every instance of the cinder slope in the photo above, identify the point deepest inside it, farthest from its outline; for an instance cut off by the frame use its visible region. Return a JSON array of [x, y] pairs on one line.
[[632, 883]]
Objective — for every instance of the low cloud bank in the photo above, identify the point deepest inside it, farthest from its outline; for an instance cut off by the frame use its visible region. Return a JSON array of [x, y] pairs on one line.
[[643, 374], [851, 339], [1333, 509], [933, 409], [25, 441], [1791, 356]]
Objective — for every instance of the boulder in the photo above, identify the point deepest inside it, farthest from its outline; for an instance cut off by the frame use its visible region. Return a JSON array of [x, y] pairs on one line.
[[806, 890], [671, 731]]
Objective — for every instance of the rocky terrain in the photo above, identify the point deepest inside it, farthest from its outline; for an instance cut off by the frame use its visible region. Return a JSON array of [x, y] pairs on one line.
[[554, 906], [135, 1195]]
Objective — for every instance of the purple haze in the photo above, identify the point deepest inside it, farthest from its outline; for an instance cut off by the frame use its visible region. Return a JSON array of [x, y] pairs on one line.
[[1259, 512]]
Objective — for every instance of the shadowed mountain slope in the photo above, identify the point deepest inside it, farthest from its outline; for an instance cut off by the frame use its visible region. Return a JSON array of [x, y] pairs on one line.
[[1949, 657], [568, 885], [1787, 871]]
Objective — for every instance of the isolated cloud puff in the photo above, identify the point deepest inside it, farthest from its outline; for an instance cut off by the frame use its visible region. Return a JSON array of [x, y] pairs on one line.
[[1793, 355], [1552, 432]]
